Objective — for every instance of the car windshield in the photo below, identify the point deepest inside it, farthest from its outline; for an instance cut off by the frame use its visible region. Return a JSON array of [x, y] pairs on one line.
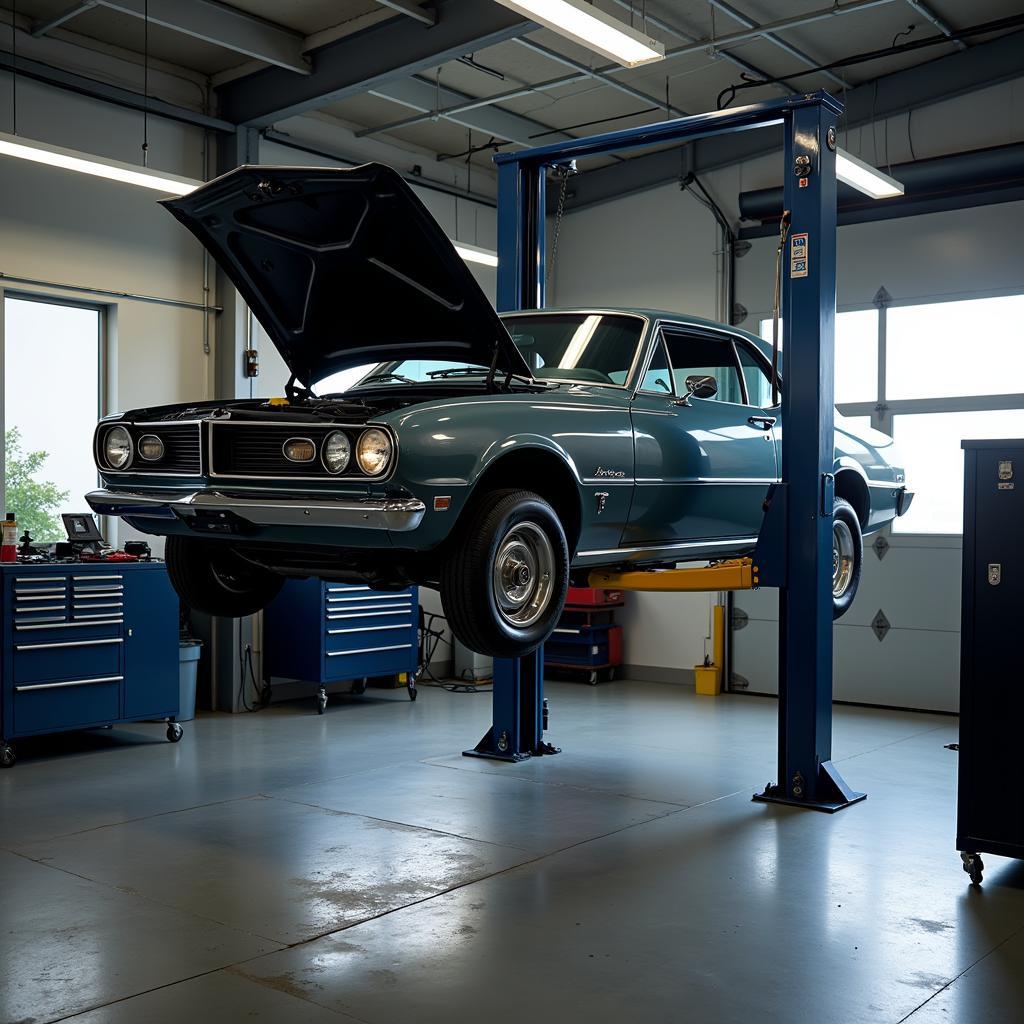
[[593, 348]]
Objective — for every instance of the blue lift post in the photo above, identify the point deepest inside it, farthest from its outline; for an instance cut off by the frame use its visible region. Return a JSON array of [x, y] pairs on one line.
[[795, 546]]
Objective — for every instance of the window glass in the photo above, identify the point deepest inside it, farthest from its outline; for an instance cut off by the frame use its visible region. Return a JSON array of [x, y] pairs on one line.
[[589, 348], [49, 464], [943, 349], [658, 378], [929, 446], [759, 385], [697, 355], [856, 376]]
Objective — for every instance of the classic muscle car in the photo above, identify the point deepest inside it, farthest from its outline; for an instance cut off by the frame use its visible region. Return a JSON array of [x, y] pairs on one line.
[[492, 457]]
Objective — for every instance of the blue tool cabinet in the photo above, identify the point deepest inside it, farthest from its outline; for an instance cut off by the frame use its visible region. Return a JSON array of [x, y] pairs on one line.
[[86, 645], [324, 632]]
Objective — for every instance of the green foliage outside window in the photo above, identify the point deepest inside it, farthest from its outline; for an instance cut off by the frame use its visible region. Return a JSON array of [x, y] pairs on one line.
[[34, 501]]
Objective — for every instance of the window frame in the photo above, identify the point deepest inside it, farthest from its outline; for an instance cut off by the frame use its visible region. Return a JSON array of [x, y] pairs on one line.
[[102, 311], [882, 410]]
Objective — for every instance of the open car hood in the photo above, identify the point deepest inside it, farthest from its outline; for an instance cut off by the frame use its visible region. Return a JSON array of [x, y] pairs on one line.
[[344, 267]]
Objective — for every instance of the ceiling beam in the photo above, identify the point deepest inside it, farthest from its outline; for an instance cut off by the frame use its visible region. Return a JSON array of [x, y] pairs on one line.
[[222, 26], [940, 23], [84, 86], [673, 30], [411, 10], [426, 97], [40, 28], [966, 71], [370, 59], [747, 22]]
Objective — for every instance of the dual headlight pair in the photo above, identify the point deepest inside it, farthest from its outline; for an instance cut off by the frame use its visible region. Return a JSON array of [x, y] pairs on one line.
[[373, 450]]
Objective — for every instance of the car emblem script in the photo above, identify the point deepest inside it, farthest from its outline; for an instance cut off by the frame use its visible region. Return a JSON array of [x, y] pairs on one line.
[[601, 471]]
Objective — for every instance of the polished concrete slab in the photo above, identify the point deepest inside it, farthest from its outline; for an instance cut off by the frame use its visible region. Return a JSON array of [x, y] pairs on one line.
[[288, 867]]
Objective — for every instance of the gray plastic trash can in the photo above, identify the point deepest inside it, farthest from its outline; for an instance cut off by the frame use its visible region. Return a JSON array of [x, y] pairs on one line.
[[188, 666]]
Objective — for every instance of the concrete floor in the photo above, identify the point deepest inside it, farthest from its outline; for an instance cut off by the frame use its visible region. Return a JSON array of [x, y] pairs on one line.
[[287, 867]]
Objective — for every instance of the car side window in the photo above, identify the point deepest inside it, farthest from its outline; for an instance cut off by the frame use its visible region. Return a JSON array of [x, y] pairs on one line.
[[755, 375], [658, 378], [705, 355]]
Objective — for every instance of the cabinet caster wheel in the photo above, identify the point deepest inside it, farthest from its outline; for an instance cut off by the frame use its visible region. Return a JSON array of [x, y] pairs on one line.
[[7, 757], [974, 866], [358, 687], [174, 732], [413, 692], [321, 703]]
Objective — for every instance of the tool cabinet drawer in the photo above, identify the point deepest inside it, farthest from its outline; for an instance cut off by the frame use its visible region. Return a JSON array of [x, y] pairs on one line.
[[378, 659], [351, 638], [29, 630], [49, 660], [77, 702]]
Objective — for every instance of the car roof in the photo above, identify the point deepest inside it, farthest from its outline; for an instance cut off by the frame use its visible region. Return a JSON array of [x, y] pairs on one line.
[[650, 314]]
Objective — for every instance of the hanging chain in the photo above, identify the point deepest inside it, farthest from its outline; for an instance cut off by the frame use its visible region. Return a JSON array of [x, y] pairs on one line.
[[777, 303], [559, 211]]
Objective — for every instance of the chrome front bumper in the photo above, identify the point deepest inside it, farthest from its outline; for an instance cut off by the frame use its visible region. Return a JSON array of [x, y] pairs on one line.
[[397, 515]]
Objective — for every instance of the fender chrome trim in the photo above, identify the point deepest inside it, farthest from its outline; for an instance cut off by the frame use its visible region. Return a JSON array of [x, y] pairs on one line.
[[397, 515]]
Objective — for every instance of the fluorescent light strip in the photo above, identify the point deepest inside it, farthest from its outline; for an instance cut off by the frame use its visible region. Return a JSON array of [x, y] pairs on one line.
[[100, 167], [474, 254], [865, 178], [592, 28]]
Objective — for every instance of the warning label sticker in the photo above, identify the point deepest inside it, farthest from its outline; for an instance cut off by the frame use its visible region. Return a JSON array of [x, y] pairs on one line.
[[798, 255]]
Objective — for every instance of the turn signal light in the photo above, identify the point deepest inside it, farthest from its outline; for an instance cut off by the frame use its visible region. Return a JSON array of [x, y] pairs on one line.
[[299, 449]]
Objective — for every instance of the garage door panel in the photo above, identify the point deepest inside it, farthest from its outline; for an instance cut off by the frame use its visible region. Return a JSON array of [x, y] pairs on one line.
[[755, 657], [910, 668]]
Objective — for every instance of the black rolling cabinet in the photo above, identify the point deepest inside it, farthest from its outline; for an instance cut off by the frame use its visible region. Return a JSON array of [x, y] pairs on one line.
[[990, 804]]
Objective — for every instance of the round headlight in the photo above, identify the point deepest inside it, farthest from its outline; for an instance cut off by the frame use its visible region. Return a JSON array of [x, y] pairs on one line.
[[336, 452], [117, 448], [373, 452], [151, 448]]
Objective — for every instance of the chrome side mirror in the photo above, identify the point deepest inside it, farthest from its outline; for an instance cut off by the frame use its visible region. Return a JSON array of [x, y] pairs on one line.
[[701, 386]]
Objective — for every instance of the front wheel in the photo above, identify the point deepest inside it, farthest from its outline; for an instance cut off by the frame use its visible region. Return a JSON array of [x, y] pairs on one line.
[[209, 577], [847, 557], [503, 586]]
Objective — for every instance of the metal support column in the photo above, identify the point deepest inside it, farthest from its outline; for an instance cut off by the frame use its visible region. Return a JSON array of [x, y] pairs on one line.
[[806, 775], [519, 711]]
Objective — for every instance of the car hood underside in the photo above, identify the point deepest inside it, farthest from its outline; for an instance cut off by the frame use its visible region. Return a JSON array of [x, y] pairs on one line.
[[344, 267]]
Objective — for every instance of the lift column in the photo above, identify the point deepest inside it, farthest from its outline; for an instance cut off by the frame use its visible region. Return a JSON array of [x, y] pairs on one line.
[[806, 774]]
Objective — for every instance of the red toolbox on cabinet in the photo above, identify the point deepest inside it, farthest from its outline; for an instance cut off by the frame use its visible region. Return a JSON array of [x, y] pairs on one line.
[[592, 596]]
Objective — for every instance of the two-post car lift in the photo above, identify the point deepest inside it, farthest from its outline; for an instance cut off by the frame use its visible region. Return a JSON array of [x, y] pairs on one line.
[[794, 551]]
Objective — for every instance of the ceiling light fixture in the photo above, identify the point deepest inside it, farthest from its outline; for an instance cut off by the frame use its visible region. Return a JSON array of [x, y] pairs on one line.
[[865, 178], [474, 254], [100, 167], [592, 28]]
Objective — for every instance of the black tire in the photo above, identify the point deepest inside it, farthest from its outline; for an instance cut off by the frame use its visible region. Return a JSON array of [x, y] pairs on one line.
[[174, 732], [847, 547], [506, 524], [209, 577]]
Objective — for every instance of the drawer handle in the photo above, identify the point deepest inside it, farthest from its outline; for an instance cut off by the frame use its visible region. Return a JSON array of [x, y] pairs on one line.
[[370, 629], [100, 604], [70, 682], [404, 610], [369, 650], [67, 643], [341, 590], [368, 607], [397, 596], [39, 595], [113, 616], [97, 577], [40, 618], [70, 625], [40, 608], [99, 591], [39, 579]]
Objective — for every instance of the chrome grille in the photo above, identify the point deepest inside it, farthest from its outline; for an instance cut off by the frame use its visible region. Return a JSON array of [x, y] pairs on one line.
[[182, 448], [249, 449]]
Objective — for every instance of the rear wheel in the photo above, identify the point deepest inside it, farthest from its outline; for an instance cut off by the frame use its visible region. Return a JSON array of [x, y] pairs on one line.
[[847, 557], [211, 578], [504, 585]]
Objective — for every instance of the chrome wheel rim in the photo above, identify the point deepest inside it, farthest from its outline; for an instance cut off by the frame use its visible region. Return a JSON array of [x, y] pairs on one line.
[[523, 575], [842, 557]]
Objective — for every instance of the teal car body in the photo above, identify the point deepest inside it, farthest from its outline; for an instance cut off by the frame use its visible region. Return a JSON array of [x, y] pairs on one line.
[[639, 469]]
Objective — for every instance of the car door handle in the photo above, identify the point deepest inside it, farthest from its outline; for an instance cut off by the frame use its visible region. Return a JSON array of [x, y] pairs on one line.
[[764, 422]]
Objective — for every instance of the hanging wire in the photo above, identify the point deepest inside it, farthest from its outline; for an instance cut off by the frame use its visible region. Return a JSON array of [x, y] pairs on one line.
[[14, 68], [145, 84]]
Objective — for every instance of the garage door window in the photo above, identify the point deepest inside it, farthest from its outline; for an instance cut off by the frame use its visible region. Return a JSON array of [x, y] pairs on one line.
[[52, 394]]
